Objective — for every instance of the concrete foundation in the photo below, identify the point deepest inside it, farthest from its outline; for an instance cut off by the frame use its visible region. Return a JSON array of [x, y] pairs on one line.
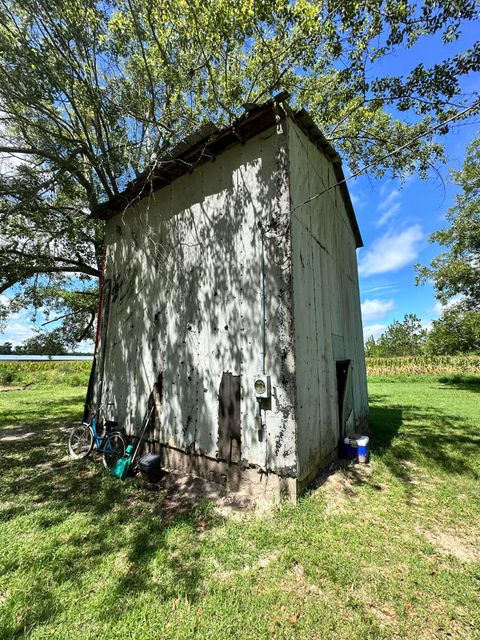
[[262, 487]]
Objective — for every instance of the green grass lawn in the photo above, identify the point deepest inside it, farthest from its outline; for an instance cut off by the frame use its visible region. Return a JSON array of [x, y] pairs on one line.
[[385, 551]]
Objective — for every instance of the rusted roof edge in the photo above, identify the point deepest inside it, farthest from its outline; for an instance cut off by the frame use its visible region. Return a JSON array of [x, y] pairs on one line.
[[197, 149], [170, 167]]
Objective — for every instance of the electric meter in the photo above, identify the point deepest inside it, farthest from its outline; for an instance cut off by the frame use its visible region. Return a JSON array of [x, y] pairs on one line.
[[261, 385]]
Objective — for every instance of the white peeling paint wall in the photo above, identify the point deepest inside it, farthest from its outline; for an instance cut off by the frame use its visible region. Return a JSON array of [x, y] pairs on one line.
[[327, 315], [183, 271]]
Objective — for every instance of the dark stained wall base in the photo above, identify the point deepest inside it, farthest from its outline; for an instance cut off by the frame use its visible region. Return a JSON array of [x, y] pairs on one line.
[[304, 483], [262, 487]]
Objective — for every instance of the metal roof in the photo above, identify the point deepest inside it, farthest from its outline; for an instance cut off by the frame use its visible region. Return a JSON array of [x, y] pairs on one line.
[[208, 142]]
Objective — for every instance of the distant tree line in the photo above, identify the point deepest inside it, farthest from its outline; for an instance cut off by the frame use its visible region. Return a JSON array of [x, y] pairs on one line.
[[457, 331], [50, 343]]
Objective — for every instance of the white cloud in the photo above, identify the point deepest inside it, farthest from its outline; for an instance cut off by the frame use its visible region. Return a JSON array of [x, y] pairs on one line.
[[85, 346], [17, 332], [357, 196], [356, 200], [19, 325], [389, 207], [437, 309], [427, 325], [9, 164], [391, 288], [384, 188], [375, 309], [387, 202], [389, 214], [391, 252], [374, 330]]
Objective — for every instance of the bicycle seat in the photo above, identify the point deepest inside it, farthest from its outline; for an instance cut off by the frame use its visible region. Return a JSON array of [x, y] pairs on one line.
[[110, 424]]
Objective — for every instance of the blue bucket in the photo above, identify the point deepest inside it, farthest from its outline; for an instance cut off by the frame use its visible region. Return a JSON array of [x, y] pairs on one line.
[[356, 446]]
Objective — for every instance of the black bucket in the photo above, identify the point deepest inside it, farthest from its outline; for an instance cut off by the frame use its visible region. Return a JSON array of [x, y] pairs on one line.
[[150, 467]]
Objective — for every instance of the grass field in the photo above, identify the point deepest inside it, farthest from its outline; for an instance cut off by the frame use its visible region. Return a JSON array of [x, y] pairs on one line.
[[389, 550]]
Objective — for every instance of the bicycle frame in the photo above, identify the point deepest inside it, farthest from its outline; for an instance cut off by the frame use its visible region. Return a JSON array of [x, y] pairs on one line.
[[101, 442]]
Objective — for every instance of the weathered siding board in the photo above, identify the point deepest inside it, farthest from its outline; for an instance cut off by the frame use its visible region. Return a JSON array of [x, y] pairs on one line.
[[323, 243], [229, 429], [186, 266]]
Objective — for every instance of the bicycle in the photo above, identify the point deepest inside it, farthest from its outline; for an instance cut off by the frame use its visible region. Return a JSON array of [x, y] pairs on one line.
[[84, 437]]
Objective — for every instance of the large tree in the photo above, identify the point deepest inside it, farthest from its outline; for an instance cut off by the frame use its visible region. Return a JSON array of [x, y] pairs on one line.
[[50, 343], [456, 271], [92, 93]]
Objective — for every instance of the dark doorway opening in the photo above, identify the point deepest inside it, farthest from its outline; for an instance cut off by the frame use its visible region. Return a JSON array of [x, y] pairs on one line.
[[343, 367]]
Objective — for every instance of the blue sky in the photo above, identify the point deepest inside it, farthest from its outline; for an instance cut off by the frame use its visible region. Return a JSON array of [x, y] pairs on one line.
[[395, 220]]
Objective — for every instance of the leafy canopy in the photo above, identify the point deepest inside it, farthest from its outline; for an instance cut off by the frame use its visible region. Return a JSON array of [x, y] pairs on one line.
[[456, 331], [456, 271], [92, 93], [406, 338]]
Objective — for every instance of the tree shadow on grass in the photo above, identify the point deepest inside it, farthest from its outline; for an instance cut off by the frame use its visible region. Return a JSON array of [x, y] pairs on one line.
[[462, 382], [408, 436], [39, 608], [42, 490], [29, 413], [158, 564]]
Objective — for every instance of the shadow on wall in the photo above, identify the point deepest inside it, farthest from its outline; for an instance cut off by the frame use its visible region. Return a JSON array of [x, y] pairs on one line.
[[185, 302]]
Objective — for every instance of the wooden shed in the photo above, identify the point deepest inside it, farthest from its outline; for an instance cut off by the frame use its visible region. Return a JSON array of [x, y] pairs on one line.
[[231, 294]]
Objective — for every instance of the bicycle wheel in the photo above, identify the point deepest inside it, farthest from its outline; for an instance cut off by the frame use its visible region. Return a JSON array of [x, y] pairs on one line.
[[80, 441], [113, 449]]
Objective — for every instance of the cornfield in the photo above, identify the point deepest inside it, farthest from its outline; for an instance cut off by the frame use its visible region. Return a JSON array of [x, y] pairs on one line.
[[26, 372], [75, 373], [423, 365]]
